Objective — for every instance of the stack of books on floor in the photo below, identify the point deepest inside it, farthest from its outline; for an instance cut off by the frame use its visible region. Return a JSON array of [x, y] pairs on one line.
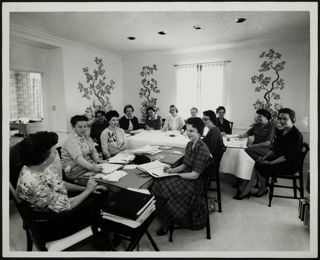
[[129, 207], [304, 211]]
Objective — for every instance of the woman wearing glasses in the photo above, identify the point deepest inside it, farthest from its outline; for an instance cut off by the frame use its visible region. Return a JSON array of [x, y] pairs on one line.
[[282, 157]]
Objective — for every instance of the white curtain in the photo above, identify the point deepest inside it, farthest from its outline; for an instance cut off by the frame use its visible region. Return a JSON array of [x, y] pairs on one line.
[[211, 86], [187, 89], [199, 85]]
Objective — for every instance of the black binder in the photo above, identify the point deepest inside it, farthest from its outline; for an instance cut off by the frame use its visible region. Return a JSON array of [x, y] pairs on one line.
[[127, 203]]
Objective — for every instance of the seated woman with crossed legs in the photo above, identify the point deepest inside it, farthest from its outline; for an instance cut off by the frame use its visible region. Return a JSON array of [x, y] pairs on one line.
[[282, 157]]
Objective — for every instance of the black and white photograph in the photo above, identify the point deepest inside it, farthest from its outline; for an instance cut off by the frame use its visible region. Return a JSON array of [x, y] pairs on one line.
[[157, 129]]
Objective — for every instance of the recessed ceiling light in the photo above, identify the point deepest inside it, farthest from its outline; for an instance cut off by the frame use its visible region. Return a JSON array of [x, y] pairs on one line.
[[131, 38], [197, 27], [162, 33], [240, 20]]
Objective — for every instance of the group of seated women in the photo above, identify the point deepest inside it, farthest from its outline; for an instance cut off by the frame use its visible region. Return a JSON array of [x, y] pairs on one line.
[[40, 182]]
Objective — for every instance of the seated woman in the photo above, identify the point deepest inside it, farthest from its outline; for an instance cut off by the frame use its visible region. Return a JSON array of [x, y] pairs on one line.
[[222, 123], [113, 139], [78, 153], [263, 133], [128, 122], [213, 139], [153, 121], [282, 157], [186, 206], [173, 122], [193, 113], [100, 123], [40, 184]]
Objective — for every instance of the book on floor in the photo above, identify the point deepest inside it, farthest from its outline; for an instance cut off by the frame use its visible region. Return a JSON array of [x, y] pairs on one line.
[[156, 169], [128, 204]]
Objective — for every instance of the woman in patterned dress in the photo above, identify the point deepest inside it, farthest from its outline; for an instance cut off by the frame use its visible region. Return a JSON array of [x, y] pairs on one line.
[[40, 184], [113, 138], [78, 152], [185, 204]]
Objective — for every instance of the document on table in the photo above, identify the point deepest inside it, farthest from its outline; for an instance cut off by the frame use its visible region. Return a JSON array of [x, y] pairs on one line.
[[156, 169], [122, 158], [109, 167], [112, 177], [147, 149], [236, 143]]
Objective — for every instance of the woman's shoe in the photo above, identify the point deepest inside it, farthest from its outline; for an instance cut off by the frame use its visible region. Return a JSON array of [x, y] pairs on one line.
[[242, 197], [162, 231], [260, 195]]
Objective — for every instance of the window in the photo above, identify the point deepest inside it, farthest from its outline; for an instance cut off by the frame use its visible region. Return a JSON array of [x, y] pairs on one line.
[[25, 95], [199, 85]]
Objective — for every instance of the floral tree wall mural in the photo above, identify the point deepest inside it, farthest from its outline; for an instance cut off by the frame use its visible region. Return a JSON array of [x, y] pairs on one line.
[[96, 87], [269, 82], [149, 87]]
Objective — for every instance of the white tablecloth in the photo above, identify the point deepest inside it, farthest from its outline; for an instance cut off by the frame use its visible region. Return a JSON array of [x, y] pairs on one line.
[[157, 137], [235, 160]]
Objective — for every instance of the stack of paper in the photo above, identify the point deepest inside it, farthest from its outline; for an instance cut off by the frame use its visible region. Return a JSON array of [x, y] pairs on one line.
[[155, 169], [147, 149], [122, 158], [112, 177], [109, 168]]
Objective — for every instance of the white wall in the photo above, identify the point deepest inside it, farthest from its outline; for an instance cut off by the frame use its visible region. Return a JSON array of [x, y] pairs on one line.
[[61, 69], [74, 60], [239, 91]]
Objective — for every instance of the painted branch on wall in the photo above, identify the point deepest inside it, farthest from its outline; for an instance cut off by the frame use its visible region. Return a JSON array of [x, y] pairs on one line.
[[96, 87], [149, 87], [269, 82]]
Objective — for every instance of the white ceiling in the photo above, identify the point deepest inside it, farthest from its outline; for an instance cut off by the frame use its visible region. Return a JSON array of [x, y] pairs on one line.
[[109, 30]]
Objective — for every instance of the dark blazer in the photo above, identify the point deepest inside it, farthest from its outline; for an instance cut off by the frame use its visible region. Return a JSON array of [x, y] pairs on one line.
[[224, 127], [124, 123]]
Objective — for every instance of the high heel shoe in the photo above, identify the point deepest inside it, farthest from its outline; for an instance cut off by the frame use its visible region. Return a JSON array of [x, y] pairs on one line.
[[242, 197], [260, 195], [162, 231]]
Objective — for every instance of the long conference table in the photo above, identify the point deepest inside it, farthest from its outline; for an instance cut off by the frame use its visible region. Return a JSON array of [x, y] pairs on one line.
[[234, 161]]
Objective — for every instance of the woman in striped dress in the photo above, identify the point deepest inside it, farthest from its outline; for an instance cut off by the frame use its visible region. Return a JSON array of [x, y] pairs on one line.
[[185, 204]]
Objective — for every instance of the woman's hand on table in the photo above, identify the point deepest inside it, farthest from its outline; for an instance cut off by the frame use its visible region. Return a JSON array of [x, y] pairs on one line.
[[97, 168], [91, 185], [168, 169]]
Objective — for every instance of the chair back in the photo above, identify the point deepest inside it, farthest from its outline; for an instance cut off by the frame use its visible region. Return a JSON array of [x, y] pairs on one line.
[[302, 155], [231, 126], [15, 164]]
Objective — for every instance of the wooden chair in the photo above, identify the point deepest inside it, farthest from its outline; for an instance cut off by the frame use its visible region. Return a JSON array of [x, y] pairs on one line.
[[294, 177], [214, 176], [204, 193], [231, 126], [34, 221]]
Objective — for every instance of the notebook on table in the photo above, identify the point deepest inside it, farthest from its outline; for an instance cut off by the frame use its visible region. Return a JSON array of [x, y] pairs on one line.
[[156, 169]]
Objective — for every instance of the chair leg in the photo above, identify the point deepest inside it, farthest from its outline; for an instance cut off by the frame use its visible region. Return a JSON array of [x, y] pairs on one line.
[[271, 191], [294, 181], [219, 193], [171, 229], [301, 186], [208, 227], [29, 242]]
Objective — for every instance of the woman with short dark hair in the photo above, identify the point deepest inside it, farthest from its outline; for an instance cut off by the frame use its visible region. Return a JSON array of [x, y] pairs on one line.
[[263, 133], [153, 120], [173, 122], [113, 139], [78, 152], [40, 182], [128, 122], [185, 205], [100, 123], [213, 139], [222, 123]]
